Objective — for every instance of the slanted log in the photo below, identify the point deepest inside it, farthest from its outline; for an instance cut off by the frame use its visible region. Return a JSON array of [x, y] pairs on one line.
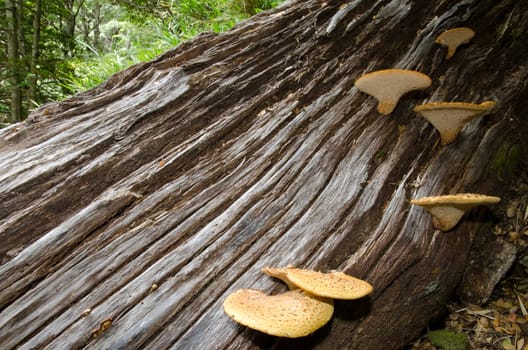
[[253, 148]]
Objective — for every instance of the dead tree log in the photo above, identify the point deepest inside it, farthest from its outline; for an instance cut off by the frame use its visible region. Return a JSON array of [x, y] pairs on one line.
[[253, 148]]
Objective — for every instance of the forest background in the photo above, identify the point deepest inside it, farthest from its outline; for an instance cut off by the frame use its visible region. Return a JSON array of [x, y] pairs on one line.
[[52, 49]]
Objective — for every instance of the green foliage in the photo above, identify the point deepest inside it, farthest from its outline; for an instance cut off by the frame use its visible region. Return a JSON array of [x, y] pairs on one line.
[[448, 340], [50, 61], [254, 6], [163, 28], [108, 36], [4, 111]]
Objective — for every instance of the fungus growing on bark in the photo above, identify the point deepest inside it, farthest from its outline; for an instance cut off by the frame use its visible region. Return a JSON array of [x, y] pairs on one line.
[[103, 327], [335, 285], [86, 312], [447, 210], [388, 85], [453, 38], [292, 314], [450, 117]]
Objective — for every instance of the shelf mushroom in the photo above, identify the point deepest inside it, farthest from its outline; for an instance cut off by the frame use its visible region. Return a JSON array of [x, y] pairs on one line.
[[453, 38], [450, 117], [447, 210], [335, 285], [389, 85], [292, 314]]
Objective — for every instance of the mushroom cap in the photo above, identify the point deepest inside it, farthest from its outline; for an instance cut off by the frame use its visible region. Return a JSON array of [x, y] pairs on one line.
[[450, 117], [335, 285], [388, 85], [292, 314], [447, 210], [453, 38]]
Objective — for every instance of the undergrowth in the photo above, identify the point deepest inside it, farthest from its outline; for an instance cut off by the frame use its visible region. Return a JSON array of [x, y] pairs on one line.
[[139, 42]]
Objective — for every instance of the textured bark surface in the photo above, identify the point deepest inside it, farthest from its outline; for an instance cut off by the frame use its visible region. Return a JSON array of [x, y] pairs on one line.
[[253, 148]]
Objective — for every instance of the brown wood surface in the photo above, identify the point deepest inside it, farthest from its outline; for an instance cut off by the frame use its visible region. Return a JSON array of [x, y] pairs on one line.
[[252, 148]]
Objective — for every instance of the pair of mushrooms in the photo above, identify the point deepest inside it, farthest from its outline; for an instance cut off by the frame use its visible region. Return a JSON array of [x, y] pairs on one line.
[[302, 310], [389, 85]]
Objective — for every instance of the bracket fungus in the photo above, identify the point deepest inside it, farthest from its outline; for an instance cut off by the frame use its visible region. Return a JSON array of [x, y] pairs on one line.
[[450, 117], [453, 38], [292, 314], [335, 285], [389, 85], [447, 210]]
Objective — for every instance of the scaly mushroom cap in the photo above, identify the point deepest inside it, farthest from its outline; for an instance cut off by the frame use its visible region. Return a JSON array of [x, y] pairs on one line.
[[335, 285], [453, 38], [292, 314], [388, 85], [448, 210], [450, 117]]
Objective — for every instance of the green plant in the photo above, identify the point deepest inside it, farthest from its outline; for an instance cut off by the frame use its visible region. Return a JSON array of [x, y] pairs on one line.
[[129, 41], [448, 340], [255, 6], [506, 160]]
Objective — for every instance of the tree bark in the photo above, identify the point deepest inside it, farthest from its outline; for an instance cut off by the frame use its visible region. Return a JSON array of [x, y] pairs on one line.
[[248, 149]]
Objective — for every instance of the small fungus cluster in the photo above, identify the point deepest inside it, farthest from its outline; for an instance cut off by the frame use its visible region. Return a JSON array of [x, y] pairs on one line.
[[302, 310], [389, 85], [103, 327]]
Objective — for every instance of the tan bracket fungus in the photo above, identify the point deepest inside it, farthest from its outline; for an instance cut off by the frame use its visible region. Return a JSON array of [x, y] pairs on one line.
[[447, 210], [292, 314], [450, 117], [335, 285], [453, 38], [389, 85]]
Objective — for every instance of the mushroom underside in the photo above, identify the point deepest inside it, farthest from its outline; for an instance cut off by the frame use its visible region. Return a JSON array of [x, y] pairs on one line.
[[446, 217], [450, 117], [389, 85], [453, 38]]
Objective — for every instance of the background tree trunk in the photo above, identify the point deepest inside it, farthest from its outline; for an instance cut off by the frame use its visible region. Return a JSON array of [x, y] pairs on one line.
[[19, 14], [13, 61], [96, 23], [35, 51], [237, 151], [70, 21]]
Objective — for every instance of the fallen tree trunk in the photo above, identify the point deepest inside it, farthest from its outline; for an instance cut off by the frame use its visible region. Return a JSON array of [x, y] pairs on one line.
[[152, 197]]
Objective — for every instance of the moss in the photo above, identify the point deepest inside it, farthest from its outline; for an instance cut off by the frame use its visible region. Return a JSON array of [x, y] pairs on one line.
[[448, 340], [506, 160], [432, 287], [518, 28], [380, 156]]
